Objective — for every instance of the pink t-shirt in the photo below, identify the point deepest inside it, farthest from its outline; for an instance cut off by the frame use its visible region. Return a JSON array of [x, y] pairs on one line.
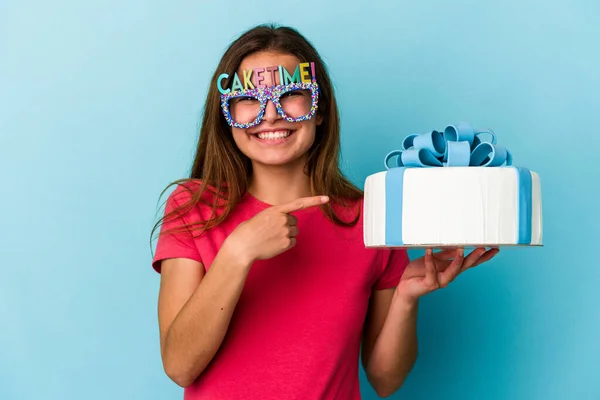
[[296, 331]]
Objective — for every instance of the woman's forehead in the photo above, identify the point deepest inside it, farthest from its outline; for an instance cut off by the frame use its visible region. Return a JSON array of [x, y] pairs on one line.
[[266, 59], [268, 64]]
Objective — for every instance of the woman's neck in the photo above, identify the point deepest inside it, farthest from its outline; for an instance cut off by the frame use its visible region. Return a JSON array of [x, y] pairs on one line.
[[279, 185]]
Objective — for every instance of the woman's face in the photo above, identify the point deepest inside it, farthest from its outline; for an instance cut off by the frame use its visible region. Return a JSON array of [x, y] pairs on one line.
[[276, 142]]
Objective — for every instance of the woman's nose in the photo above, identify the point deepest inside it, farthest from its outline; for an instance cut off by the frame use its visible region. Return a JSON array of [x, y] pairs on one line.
[[271, 113]]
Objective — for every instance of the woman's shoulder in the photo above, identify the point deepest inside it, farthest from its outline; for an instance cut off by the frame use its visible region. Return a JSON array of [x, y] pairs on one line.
[[194, 189], [194, 200]]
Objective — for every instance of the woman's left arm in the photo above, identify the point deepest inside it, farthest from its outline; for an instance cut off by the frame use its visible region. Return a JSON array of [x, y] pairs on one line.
[[389, 349]]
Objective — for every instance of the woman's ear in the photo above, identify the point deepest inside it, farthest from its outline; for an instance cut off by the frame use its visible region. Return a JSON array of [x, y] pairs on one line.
[[319, 119]]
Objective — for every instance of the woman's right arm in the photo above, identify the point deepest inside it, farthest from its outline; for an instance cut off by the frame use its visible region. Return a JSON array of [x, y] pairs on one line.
[[195, 309]]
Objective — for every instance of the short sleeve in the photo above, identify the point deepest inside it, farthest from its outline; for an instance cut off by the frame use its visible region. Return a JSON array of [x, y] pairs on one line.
[[394, 263], [179, 243]]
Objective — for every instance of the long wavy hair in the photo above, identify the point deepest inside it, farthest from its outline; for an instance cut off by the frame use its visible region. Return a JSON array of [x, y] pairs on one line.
[[223, 171]]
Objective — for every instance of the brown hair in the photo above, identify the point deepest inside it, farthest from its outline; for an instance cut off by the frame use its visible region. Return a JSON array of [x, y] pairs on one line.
[[223, 171]]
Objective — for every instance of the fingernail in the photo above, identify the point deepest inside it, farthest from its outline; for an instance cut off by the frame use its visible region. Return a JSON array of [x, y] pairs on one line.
[[324, 199]]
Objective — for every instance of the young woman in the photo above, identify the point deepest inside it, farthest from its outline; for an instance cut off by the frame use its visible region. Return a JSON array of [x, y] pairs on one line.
[[267, 290]]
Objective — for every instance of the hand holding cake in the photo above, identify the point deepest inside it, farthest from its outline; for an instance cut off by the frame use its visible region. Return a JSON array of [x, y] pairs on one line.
[[437, 270]]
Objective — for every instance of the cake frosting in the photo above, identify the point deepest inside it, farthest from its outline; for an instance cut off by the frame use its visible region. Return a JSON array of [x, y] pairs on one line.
[[455, 187]]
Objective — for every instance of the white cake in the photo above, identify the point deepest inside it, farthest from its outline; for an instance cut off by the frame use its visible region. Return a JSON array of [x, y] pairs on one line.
[[453, 206], [467, 206]]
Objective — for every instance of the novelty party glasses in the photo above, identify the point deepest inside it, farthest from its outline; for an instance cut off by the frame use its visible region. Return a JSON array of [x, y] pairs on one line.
[[295, 102]]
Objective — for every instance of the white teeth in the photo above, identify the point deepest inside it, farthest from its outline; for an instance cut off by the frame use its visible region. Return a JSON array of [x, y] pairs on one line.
[[274, 135]]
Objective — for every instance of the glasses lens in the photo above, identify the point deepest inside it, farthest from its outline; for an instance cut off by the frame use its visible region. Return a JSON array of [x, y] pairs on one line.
[[244, 109], [296, 103]]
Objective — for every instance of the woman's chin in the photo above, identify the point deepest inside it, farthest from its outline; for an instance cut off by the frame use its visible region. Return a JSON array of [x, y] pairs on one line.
[[277, 160]]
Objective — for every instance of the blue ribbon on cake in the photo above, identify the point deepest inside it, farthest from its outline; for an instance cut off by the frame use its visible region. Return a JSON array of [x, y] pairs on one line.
[[457, 146]]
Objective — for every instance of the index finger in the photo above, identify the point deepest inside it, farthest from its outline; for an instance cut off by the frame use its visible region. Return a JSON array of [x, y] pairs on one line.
[[301, 203]]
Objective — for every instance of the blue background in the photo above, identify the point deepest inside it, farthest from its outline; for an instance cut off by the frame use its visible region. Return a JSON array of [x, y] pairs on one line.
[[99, 110]]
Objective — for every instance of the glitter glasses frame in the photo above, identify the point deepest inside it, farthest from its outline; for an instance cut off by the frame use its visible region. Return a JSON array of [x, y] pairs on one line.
[[272, 93]]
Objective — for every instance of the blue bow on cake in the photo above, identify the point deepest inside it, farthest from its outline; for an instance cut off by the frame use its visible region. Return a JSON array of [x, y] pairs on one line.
[[457, 146]]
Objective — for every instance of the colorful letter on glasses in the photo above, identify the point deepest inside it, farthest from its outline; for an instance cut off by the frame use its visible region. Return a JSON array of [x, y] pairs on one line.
[[253, 78]]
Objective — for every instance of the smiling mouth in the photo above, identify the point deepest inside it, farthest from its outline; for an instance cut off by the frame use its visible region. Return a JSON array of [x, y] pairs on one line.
[[275, 135]]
